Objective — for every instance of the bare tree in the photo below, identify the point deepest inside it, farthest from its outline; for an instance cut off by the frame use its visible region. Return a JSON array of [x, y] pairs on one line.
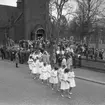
[[88, 12], [56, 8]]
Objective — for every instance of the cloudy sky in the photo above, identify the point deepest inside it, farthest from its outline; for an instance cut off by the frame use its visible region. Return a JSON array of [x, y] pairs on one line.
[[8, 2]]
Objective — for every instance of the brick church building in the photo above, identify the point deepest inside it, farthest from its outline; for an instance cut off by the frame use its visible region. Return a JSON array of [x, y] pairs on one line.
[[25, 21]]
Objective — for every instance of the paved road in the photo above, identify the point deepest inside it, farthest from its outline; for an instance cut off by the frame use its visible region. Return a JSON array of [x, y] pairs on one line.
[[18, 88]]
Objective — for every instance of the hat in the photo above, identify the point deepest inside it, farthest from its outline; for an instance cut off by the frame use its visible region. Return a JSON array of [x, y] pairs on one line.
[[56, 67], [63, 66], [44, 63], [66, 70]]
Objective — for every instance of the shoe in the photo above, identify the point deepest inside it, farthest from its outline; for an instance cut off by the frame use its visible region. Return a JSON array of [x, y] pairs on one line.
[[62, 95], [70, 93], [69, 97], [34, 77]]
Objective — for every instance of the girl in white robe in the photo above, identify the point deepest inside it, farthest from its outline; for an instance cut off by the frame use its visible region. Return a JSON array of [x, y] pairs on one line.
[[34, 69], [64, 62], [64, 83], [34, 55], [43, 75], [30, 61], [37, 68], [48, 67], [71, 79], [60, 72], [54, 77], [41, 65]]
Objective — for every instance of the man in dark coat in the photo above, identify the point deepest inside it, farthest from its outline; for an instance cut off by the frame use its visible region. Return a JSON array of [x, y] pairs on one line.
[[17, 59], [2, 53]]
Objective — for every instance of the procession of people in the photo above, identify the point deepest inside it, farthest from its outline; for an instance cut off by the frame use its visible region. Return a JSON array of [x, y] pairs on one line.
[[51, 62], [61, 77]]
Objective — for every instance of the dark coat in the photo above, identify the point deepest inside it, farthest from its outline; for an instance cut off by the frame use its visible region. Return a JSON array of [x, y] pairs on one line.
[[16, 58]]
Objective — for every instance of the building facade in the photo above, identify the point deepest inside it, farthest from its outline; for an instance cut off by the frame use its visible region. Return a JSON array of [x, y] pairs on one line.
[[35, 16], [21, 22]]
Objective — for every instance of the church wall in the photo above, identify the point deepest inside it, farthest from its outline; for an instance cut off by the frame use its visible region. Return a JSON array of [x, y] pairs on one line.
[[12, 33], [7, 15], [34, 13], [16, 32], [19, 30]]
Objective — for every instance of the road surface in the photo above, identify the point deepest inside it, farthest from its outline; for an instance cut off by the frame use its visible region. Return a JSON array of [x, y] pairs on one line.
[[18, 88]]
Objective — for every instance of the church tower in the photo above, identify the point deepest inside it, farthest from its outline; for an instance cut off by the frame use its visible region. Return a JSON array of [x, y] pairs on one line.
[[35, 13], [20, 4]]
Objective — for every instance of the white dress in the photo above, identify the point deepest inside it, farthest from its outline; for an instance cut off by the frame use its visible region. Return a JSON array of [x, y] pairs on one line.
[[48, 67], [60, 72], [30, 61], [43, 75], [34, 56], [58, 52], [37, 66], [54, 77], [64, 62], [64, 83], [34, 69], [33, 66], [40, 55], [40, 67], [71, 79], [62, 52]]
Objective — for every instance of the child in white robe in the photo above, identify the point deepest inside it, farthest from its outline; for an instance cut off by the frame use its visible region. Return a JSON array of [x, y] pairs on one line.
[[35, 66], [48, 67], [64, 62], [64, 83], [54, 77], [37, 69], [41, 65], [34, 55], [39, 55], [60, 72], [43, 75], [34, 70], [71, 79], [30, 61]]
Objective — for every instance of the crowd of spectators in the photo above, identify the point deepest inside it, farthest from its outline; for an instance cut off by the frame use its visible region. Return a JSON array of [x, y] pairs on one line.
[[86, 52], [79, 51]]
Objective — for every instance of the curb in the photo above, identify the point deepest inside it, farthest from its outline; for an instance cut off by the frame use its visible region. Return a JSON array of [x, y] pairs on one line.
[[90, 80]]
